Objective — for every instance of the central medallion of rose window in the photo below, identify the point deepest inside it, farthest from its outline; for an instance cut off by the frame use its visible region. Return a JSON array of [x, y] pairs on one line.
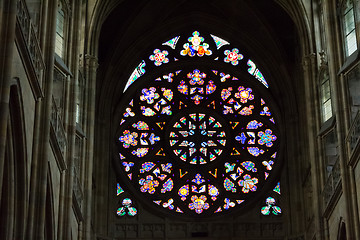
[[197, 138]]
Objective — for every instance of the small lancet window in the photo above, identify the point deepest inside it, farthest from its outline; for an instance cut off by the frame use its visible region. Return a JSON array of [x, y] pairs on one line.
[[325, 96], [348, 22], [60, 31]]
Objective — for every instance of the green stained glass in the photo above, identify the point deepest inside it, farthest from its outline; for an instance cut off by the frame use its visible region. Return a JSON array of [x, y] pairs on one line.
[[277, 188], [119, 190]]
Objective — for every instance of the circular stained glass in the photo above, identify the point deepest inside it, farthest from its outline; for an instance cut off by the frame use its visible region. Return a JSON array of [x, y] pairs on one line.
[[197, 138], [198, 141]]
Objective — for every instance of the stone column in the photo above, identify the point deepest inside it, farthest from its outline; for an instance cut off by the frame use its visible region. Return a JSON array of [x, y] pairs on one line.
[[309, 65], [7, 43], [39, 166], [74, 52], [91, 63]]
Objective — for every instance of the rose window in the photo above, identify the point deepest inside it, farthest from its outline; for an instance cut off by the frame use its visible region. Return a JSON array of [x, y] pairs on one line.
[[197, 141]]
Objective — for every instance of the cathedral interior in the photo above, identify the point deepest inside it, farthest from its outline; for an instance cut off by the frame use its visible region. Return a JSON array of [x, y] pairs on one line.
[[200, 119]]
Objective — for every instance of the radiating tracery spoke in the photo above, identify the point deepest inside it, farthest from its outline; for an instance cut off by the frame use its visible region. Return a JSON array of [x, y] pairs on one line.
[[197, 138]]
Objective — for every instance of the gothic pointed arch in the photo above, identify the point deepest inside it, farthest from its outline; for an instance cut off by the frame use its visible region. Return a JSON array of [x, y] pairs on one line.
[[14, 192]]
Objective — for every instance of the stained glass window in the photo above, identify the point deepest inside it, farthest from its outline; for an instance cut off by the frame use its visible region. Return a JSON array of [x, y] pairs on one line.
[[271, 204], [349, 27], [325, 94], [60, 30], [196, 137], [126, 208]]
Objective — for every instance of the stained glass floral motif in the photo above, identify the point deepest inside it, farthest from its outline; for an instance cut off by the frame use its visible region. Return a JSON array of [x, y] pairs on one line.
[[128, 113], [147, 166], [266, 138], [148, 184], [248, 183], [244, 94], [127, 166], [254, 125], [184, 192], [197, 86], [169, 77], [213, 192], [129, 139], [270, 207], [229, 185], [198, 140], [168, 186], [265, 111], [149, 95], [268, 164], [233, 56], [226, 93], [126, 208], [169, 204], [195, 46], [228, 204], [249, 166], [255, 151], [198, 179], [141, 125], [166, 167], [159, 101], [196, 77], [199, 204], [134, 139], [159, 57]]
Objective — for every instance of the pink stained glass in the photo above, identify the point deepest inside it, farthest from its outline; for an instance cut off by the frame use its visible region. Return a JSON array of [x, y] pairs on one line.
[[233, 56], [159, 57]]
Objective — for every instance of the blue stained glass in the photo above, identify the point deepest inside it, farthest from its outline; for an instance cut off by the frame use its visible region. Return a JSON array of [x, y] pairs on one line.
[[254, 125], [241, 138], [198, 179]]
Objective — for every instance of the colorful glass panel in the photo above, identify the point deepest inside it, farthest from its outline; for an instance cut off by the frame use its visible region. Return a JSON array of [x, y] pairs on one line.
[[138, 72], [219, 41], [126, 208], [199, 140], [172, 42]]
